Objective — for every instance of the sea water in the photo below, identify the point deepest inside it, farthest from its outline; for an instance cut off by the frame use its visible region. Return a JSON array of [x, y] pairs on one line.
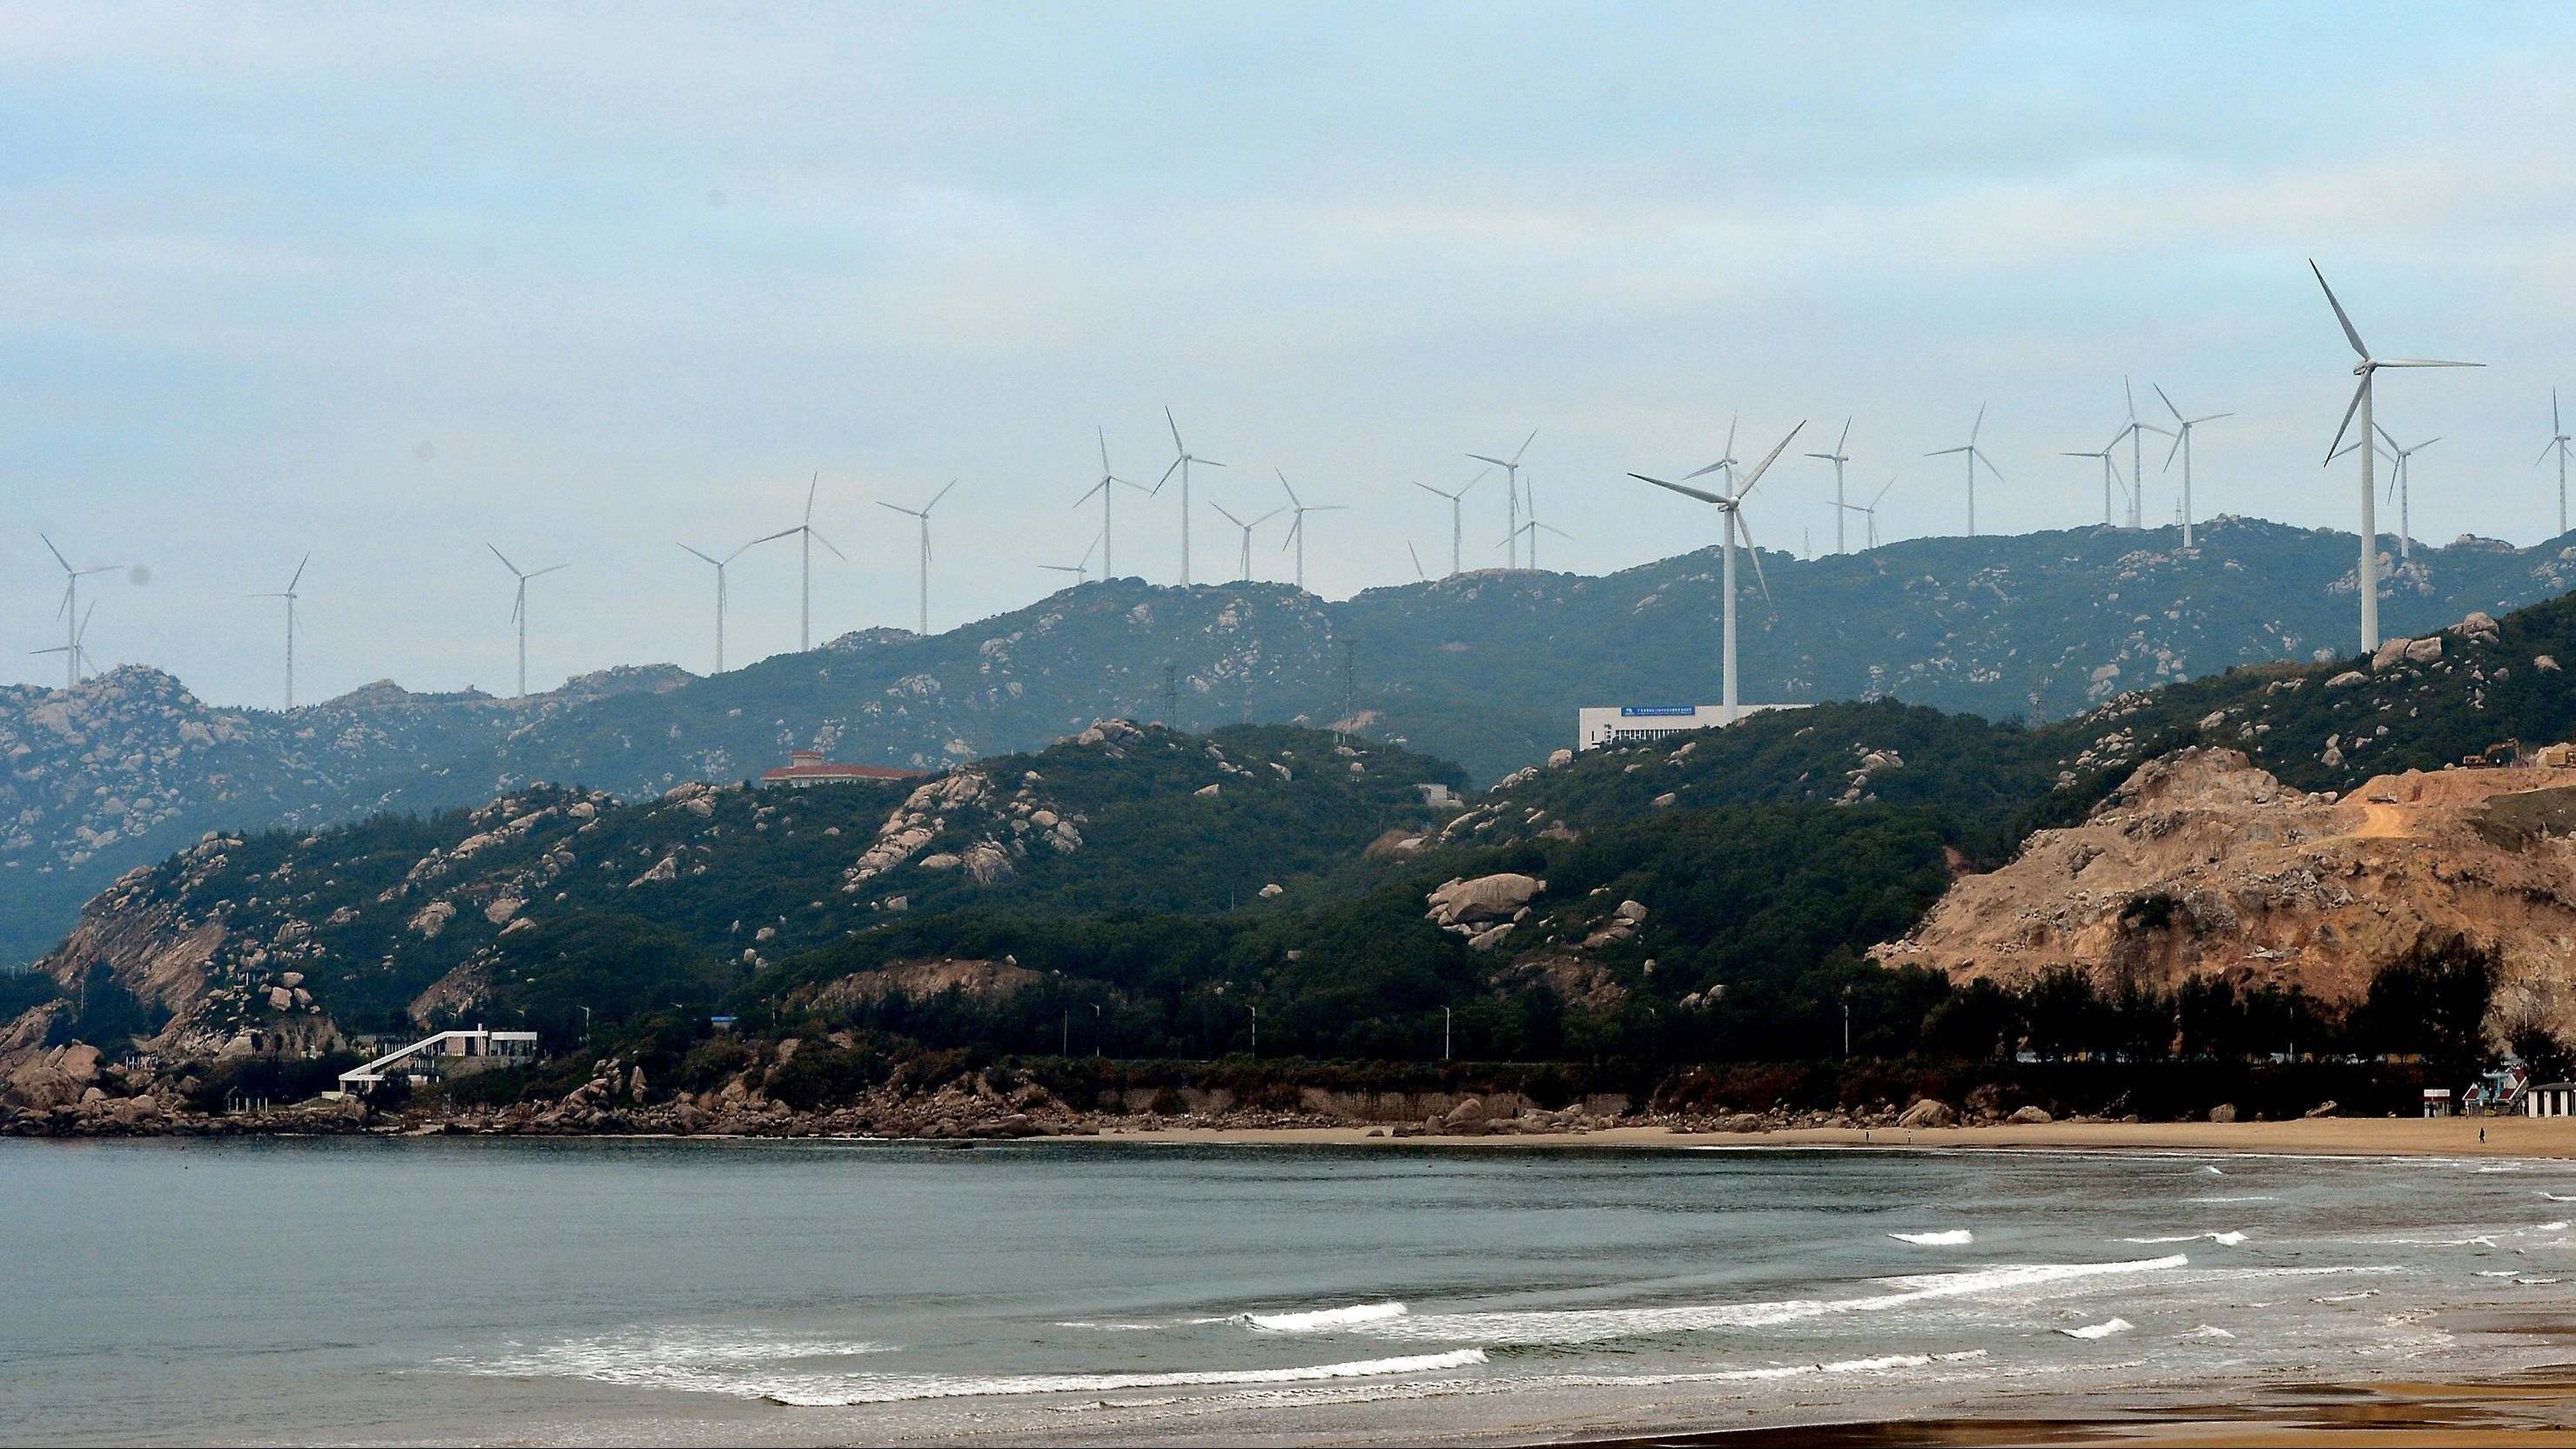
[[496, 1290]]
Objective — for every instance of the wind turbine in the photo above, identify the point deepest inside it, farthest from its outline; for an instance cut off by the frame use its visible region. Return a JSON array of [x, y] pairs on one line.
[[519, 607], [77, 650], [74, 622], [1512, 486], [1534, 528], [1456, 526], [1974, 457], [923, 513], [1732, 506], [1243, 562], [2182, 445], [2367, 368], [2558, 441], [1871, 512], [806, 539], [2399, 472], [2110, 474], [1107, 488], [721, 564], [1081, 571], [1297, 528], [1181, 464], [1838, 458], [1420, 573], [2135, 432], [288, 594]]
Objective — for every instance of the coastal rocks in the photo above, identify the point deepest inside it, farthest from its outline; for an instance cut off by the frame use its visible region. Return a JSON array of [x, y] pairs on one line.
[[1930, 1112], [2030, 1117], [1486, 898], [2223, 1112], [57, 1078]]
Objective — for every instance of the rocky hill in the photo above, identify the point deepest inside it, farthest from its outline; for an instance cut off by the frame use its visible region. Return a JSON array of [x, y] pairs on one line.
[[1485, 668]]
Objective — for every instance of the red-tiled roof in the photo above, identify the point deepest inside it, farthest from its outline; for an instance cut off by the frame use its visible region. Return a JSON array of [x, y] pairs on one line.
[[789, 773]]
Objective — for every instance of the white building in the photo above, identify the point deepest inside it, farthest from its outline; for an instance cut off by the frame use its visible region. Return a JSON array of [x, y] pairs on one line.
[[1639, 724]]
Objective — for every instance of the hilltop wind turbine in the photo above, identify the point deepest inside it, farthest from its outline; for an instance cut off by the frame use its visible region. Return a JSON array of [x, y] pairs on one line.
[[1081, 571], [74, 622], [1181, 464], [2558, 441], [1870, 513], [2110, 474], [2182, 445], [1732, 506], [1532, 527], [1243, 561], [1297, 528], [1456, 525], [1107, 488], [1974, 456], [2367, 368], [1420, 573], [923, 513], [1838, 458], [805, 541], [1511, 485], [2399, 471], [288, 594], [519, 607], [2135, 432], [721, 564]]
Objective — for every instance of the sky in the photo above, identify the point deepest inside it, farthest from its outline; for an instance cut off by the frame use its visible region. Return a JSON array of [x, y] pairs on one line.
[[395, 285]]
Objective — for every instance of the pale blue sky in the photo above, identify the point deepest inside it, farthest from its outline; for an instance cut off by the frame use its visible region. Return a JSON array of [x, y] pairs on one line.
[[385, 282]]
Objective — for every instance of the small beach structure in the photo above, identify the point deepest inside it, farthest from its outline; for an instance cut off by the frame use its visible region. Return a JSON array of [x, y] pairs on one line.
[[444, 1054], [2550, 1099], [2437, 1101], [807, 768]]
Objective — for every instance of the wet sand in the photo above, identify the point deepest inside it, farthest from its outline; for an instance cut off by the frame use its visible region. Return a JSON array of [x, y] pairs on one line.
[[2537, 1137]]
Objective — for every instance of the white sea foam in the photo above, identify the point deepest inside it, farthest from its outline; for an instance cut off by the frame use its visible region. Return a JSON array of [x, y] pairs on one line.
[[2206, 1331], [2559, 1197], [2224, 1240], [2212, 1171], [2495, 1272], [1595, 1325], [2099, 1330], [2557, 1227], [2347, 1297], [1947, 1238], [2230, 1199], [750, 1368], [1323, 1319], [2529, 1281], [1113, 1327]]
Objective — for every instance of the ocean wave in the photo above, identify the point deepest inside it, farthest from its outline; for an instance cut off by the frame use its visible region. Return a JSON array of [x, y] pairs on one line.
[[1947, 1238], [1324, 1319], [2224, 1240], [1113, 1327], [2204, 1200], [2559, 1197], [747, 1369], [1594, 1325], [2099, 1330], [2206, 1331], [1879, 1364]]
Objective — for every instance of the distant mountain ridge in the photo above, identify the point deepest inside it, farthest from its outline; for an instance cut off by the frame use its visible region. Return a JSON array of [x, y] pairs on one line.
[[1484, 668]]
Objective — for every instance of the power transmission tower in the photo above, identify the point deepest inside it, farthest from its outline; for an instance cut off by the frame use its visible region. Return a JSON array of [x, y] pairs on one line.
[[1172, 696]]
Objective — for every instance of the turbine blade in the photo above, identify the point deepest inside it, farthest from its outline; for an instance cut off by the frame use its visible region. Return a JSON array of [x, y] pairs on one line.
[[2169, 407], [827, 543], [1292, 493], [684, 548], [504, 558], [816, 482], [1678, 488], [1436, 493], [1104, 446], [1167, 476], [1481, 475], [1755, 550], [1945, 452], [934, 498], [2213, 417], [549, 569], [1418, 569], [1497, 462], [67, 565], [897, 507], [299, 575], [2349, 335], [1975, 457], [2349, 408], [1711, 468], [1845, 439], [1230, 518], [1177, 445], [2425, 362], [1980, 423], [1764, 466], [1524, 447], [1206, 462], [1094, 488], [1882, 494], [2178, 436]]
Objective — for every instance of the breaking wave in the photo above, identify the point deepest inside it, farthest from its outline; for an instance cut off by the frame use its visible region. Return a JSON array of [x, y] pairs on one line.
[[1322, 1319], [1949, 1238]]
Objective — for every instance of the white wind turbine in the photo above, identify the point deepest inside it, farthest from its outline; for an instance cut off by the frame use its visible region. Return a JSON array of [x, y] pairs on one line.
[[2110, 474], [2367, 368], [923, 513], [1732, 506], [75, 623], [1081, 571], [1974, 456], [1870, 513], [1533, 528], [1243, 560], [721, 564], [288, 594], [806, 539], [2135, 432], [1297, 528], [1838, 458], [1512, 486], [519, 607], [1107, 488], [2182, 445], [1181, 464], [2400, 472], [1456, 525], [74, 649], [2558, 441], [1419, 572]]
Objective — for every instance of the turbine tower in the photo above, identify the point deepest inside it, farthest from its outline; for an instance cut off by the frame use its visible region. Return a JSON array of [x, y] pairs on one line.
[[923, 513], [1870, 513], [1107, 488], [1974, 456], [2399, 472], [74, 650], [1456, 525], [74, 622], [805, 541], [288, 594], [1181, 464], [519, 607], [1731, 505], [2182, 445], [2558, 441], [1243, 560], [1838, 458], [2110, 474], [1297, 528], [1512, 486], [721, 564], [2135, 432], [2367, 368], [1533, 528]]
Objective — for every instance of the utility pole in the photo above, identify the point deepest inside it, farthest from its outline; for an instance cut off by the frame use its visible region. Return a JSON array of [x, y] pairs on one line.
[[1444, 1033], [1846, 1020], [1064, 1041], [1172, 696], [1256, 1031], [585, 1028], [1350, 690], [1095, 1028]]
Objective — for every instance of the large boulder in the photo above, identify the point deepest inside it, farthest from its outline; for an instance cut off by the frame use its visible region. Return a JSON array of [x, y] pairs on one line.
[[2030, 1117], [1486, 898], [1930, 1112]]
